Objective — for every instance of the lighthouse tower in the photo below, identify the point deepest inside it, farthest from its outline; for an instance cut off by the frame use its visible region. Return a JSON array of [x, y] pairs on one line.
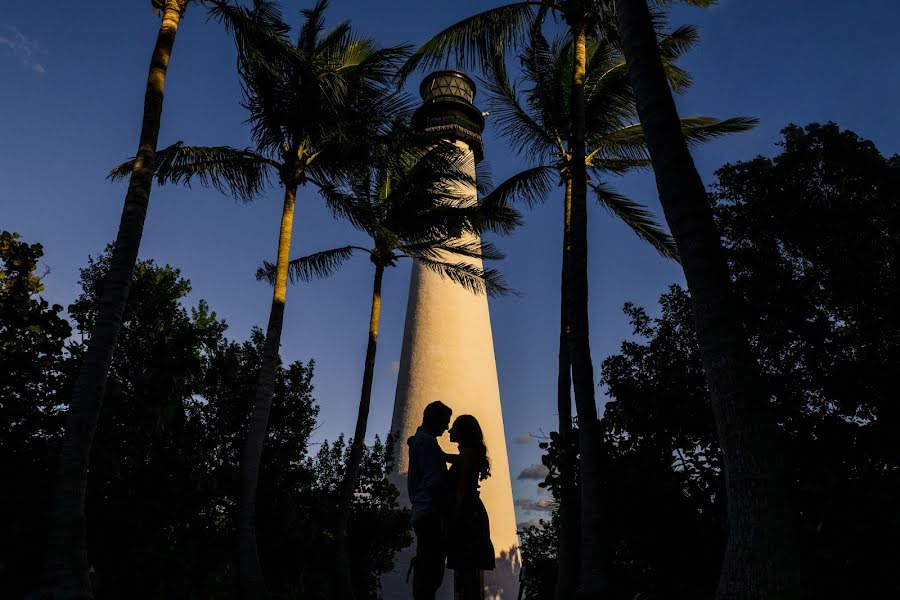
[[448, 355]]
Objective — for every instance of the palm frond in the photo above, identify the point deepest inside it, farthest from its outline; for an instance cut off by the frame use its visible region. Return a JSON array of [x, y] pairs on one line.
[[627, 146], [347, 206], [638, 218], [313, 24], [476, 40], [314, 266], [472, 277], [484, 178], [675, 44], [699, 130], [474, 248], [437, 249], [531, 186], [513, 121], [241, 173], [260, 33]]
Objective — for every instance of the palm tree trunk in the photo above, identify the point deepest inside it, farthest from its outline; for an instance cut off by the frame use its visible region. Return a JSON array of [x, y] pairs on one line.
[[761, 558], [66, 564], [567, 546], [252, 582], [351, 473], [594, 578]]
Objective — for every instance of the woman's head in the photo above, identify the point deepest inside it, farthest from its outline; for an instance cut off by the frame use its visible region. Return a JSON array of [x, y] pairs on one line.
[[467, 433]]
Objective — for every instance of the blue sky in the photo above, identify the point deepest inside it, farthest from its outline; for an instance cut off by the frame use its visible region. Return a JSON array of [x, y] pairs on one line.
[[70, 106]]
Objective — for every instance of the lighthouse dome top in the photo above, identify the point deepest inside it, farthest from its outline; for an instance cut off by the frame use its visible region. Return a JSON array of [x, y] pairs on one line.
[[447, 84], [447, 110]]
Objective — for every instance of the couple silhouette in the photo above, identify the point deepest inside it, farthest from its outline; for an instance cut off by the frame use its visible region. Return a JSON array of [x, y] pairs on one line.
[[448, 516]]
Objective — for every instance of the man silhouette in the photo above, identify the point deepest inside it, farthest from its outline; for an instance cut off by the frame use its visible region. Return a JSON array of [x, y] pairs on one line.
[[426, 484]]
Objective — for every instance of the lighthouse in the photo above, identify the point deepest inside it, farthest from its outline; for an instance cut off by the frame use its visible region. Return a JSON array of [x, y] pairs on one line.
[[448, 355]]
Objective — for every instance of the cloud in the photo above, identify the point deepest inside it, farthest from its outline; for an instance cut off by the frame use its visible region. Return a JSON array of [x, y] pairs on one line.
[[28, 51], [536, 471], [395, 367], [525, 438], [539, 504]]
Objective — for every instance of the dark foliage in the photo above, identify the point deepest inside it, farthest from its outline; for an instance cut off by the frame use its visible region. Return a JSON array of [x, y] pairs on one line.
[[539, 545], [164, 471], [812, 237], [32, 354]]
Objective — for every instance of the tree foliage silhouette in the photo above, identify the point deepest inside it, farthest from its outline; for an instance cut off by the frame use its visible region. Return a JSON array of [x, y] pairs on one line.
[[538, 124], [164, 479], [313, 105], [412, 199], [810, 236]]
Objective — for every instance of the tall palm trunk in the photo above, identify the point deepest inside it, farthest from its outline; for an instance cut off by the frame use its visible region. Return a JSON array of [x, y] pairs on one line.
[[594, 578], [351, 474], [66, 563], [252, 583], [567, 544], [761, 558]]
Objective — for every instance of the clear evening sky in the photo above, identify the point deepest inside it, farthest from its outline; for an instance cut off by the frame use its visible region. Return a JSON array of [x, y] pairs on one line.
[[72, 80]]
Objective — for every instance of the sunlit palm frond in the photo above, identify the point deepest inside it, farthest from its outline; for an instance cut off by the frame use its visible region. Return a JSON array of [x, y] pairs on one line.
[[334, 38], [638, 218], [241, 173]]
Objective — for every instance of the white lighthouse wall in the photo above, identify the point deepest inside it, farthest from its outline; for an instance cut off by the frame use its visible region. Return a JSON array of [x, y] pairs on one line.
[[448, 355]]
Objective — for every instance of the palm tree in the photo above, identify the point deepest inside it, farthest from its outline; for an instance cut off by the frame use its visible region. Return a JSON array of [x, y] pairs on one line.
[[407, 200], [313, 104], [541, 128], [761, 557], [66, 566], [547, 130]]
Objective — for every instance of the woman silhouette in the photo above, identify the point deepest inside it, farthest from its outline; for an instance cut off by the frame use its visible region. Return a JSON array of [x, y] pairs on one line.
[[469, 547]]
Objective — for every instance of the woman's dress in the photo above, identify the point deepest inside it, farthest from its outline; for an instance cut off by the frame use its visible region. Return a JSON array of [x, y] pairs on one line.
[[469, 534]]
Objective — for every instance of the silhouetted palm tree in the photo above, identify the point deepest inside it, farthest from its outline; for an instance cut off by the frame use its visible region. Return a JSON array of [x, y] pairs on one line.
[[66, 565], [412, 201], [540, 128], [576, 103], [313, 105], [761, 557]]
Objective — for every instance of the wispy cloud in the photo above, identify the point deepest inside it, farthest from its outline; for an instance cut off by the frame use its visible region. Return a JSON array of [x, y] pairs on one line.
[[395, 367], [525, 438], [536, 471], [535, 505], [29, 52]]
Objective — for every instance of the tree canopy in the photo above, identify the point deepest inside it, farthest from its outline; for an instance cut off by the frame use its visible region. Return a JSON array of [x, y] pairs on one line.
[[162, 488], [812, 241]]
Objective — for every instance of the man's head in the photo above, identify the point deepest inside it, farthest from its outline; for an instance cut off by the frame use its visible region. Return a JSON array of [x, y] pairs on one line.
[[436, 418]]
